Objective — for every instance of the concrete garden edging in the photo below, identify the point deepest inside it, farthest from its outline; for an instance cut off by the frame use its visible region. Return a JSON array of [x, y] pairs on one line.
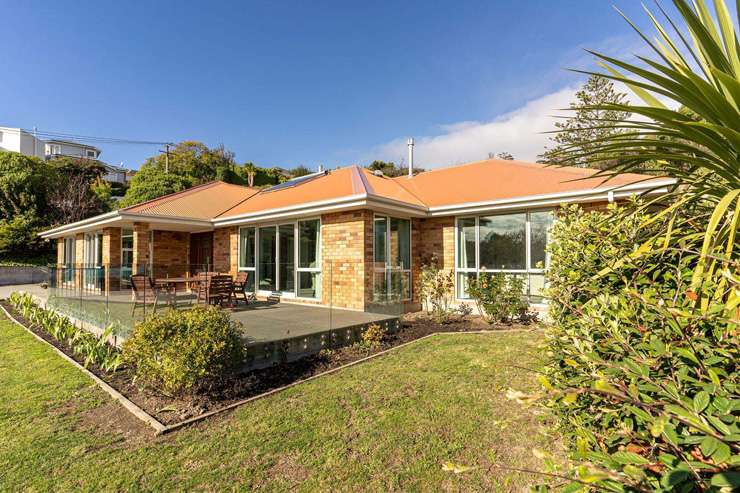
[[161, 428]]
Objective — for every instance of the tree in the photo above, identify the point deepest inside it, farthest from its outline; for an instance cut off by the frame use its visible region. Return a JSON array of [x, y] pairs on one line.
[[299, 171], [501, 155], [391, 169], [152, 182], [592, 120], [250, 170], [197, 162], [24, 184]]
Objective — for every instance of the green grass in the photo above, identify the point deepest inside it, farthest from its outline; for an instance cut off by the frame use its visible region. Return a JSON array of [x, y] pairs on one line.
[[388, 424]]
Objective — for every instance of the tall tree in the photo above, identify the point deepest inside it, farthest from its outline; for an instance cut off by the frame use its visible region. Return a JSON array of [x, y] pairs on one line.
[[196, 161], [250, 170], [152, 182], [506, 156], [590, 122]]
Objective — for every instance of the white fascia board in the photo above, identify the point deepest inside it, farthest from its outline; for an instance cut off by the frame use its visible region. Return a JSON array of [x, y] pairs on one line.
[[290, 214], [553, 202], [81, 225], [530, 201]]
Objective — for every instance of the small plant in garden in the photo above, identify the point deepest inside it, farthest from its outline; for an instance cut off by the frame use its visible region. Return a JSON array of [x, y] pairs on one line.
[[373, 336], [499, 297], [436, 291], [91, 348], [465, 310], [178, 351]]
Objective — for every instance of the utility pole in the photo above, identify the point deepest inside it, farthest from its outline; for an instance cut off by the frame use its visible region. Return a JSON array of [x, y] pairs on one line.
[[167, 158]]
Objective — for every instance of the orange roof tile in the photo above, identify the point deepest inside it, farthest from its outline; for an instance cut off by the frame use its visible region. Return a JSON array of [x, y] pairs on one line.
[[496, 179], [201, 202]]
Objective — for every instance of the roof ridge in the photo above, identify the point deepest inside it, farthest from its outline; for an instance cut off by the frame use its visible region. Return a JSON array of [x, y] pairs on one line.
[[256, 192], [400, 184], [172, 195]]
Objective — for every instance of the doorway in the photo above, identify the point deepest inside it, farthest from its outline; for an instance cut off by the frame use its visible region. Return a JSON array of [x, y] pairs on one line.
[[277, 259], [201, 252]]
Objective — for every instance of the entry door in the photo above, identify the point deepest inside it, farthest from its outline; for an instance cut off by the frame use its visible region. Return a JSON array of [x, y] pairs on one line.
[[201, 252]]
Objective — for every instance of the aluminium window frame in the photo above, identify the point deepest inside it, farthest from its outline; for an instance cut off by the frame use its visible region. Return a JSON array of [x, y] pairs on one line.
[[387, 265], [527, 246], [296, 253]]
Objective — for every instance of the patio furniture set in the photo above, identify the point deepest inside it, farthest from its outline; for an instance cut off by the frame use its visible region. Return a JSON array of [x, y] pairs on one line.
[[210, 288]]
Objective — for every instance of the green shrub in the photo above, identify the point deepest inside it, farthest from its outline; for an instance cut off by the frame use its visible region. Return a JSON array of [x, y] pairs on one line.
[[435, 291], [91, 348], [185, 351], [499, 297], [373, 336], [642, 373]]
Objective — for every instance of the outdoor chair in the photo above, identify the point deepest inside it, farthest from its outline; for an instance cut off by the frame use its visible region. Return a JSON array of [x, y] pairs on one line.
[[220, 289], [240, 288], [201, 293], [146, 293]]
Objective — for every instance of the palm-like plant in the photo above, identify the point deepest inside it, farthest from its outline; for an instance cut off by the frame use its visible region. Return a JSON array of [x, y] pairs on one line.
[[250, 170], [695, 138]]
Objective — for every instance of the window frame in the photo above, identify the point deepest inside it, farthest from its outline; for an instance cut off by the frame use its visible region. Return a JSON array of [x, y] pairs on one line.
[[527, 245], [296, 252], [387, 258]]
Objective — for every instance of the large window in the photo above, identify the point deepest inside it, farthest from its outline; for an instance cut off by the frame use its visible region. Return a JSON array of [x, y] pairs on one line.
[[269, 253], [513, 243], [392, 258], [69, 260]]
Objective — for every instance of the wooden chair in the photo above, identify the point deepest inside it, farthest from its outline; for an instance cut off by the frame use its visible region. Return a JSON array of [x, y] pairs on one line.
[[220, 289], [145, 292], [201, 293], [240, 288]]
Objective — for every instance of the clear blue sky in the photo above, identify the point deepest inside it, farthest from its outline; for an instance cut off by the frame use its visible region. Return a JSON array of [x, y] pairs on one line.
[[289, 83]]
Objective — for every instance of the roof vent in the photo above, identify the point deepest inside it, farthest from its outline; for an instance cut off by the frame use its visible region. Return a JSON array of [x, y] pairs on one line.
[[378, 172]]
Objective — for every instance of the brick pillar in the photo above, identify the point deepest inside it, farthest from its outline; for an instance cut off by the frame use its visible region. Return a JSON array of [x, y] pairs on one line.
[[344, 255], [112, 258], [141, 248], [79, 258], [225, 244], [60, 261]]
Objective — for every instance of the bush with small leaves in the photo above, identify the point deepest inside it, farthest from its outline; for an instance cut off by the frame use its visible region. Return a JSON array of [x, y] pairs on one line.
[[185, 351], [643, 363], [499, 297]]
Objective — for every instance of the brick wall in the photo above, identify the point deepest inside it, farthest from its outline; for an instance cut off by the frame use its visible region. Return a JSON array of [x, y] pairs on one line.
[[112, 258], [437, 237], [225, 249], [171, 253], [345, 237], [141, 247]]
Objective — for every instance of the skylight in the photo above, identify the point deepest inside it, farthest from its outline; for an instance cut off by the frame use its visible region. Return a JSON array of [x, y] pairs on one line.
[[293, 182]]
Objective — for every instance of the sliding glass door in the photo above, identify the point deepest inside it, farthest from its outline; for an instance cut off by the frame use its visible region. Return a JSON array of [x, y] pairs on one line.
[[288, 260]]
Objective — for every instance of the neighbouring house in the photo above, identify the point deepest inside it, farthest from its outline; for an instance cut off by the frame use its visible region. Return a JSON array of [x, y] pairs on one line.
[[25, 142], [345, 237]]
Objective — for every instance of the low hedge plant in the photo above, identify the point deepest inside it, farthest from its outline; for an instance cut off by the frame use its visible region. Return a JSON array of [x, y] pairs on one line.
[[185, 351], [90, 347]]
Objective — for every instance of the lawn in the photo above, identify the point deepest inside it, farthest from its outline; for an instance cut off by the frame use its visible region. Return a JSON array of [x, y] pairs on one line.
[[388, 424]]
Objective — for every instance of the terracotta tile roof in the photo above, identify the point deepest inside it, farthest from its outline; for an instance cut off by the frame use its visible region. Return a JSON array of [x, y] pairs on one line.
[[201, 202], [496, 179]]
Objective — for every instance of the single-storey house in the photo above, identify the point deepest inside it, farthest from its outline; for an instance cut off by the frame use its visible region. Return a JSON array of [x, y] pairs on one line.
[[344, 237]]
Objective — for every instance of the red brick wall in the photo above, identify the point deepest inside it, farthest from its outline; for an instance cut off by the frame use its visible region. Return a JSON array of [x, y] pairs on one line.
[[437, 237], [171, 253], [141, 247]]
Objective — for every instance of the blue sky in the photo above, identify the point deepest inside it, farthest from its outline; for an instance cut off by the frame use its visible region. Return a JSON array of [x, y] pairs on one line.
[[290, 83]]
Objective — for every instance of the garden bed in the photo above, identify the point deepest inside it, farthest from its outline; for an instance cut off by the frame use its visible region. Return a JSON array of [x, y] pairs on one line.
[[170, 410]]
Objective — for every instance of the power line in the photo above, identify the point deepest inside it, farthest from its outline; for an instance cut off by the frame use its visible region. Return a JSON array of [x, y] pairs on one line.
[[89, 138]]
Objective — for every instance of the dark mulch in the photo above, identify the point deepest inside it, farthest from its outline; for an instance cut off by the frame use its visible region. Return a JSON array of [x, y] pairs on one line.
[[173, 409]]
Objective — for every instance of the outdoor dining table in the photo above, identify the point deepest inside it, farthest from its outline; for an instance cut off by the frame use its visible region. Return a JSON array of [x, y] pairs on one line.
[[174, 281]]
